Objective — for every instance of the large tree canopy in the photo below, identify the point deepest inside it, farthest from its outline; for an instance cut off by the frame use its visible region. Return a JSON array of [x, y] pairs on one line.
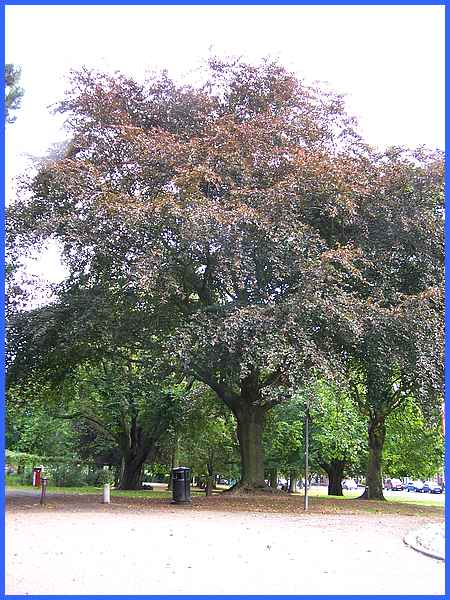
[[236, 208]]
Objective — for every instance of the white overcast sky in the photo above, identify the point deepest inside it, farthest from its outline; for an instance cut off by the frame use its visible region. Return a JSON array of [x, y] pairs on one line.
[[388, 60]]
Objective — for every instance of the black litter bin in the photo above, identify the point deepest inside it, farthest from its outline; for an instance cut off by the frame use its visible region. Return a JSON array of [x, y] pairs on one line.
[[181, 485]]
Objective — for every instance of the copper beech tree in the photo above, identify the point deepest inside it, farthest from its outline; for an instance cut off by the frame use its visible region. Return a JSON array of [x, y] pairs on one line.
[[235, 207], [399, 353]]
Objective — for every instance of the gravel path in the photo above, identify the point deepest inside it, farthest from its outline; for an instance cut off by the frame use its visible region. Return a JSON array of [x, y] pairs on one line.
[[429, 539], [176, 550]]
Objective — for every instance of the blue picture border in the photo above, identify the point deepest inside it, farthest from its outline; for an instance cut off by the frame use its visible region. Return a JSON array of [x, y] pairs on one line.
[[228, 3], [2, 225]]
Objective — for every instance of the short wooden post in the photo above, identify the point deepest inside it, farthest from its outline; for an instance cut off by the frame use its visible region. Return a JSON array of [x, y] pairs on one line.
[[44, 482], [106, 494], [306, 456]]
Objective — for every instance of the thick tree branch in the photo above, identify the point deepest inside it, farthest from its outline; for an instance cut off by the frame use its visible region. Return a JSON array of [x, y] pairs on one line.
[[98, 424], [224, 393], [271, 378]]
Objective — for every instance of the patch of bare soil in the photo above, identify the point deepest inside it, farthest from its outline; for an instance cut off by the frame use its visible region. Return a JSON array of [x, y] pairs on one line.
[[229, 503]]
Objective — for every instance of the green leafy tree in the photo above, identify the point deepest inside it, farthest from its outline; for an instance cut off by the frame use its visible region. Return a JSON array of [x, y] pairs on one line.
[[30, 428], [13, 91], [128, 405], [284, 441], [338, 435], [73, 354], [87, 348], [208, 442], [400, 356], [97, 448], [413, 448]]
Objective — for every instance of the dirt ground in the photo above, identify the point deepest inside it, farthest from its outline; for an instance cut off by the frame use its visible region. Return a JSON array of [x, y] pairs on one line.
[[76, 545]]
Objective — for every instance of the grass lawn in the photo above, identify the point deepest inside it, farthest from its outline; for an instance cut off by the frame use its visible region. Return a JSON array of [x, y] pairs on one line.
[[319, 500], [89, 489], [429, 500], [426, 500], [89, 498]]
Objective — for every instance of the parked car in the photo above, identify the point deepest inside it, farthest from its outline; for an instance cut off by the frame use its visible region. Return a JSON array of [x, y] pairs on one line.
[[432, 488], [394, 485], [349, 484], [418, 486], [426, 487], [409, 487]]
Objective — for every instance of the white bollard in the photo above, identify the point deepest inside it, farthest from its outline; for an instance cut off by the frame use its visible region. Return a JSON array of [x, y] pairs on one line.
[[106, 494]]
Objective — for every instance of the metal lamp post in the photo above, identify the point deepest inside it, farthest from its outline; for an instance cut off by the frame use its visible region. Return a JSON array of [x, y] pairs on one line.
[[306, 454]]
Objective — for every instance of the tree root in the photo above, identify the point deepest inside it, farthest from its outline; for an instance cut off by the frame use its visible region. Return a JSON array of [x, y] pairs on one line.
[[365, 496]]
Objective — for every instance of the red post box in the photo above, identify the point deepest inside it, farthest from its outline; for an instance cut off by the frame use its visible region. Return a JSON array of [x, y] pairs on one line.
[[37, 476]]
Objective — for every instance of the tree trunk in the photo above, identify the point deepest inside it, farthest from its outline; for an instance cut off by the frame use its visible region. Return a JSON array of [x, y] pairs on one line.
[[131, 473], [374, 482], [292, 482], [209, 487], [335, 472], [173, 462], [117, 474], [273, 479], [250, 425], [210, 479], [133, 461]]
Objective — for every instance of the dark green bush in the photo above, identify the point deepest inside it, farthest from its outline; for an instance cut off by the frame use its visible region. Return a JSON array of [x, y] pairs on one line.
[[67, 476], [23, 478], [99, 477]]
